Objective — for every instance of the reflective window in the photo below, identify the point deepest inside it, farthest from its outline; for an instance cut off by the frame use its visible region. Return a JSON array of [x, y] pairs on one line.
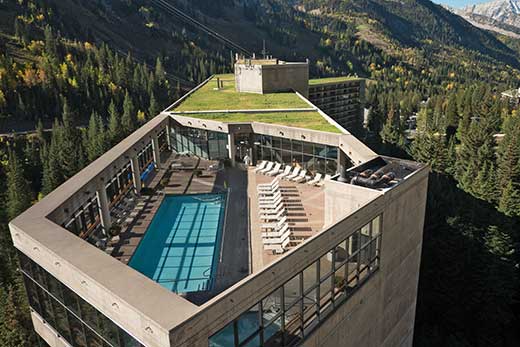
[[73, 318], [292, 311]]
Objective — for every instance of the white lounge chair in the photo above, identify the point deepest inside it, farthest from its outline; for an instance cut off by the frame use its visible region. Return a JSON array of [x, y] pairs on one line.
[[285, 172], [261, 166], [322, 182], [270, 184], [272, 210], [275, 225], [276, 240], [315, 180], [273, 217], [294, 174], [268, 168], [270, 188], [267, 203], [276, 233], [301, 177], [275, 170], [278, 248], [268, 198]]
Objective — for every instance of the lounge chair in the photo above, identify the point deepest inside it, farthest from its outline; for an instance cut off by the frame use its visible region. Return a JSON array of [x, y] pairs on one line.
[[275, 170], [271, 217], [277, 240], [268, 168], [276, 225], [322, 182], [285, 172], [267, 208], [294, 174], [275, 201], [315, 180], [269, 188], [272, 210], [301, 177], [270, 184], [261, 166], [269, 198], [278, 248], [276, 233]]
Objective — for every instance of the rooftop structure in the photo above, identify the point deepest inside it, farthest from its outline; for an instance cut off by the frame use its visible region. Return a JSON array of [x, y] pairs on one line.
[[513, 95], [186, 234]]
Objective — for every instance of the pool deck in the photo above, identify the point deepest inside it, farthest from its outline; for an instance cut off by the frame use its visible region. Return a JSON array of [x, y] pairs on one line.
[[241, 251], [305, 212]]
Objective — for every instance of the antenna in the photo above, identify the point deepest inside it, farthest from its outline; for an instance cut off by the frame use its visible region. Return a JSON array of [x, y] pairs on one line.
[[264, 52]]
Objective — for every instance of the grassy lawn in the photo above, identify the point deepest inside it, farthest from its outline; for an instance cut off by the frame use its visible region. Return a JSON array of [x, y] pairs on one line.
[[206, 98], [331, 80], [306, 120]]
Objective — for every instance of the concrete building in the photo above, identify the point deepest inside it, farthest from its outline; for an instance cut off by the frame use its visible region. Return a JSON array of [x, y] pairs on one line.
[[159, 242], [271, 76], [341, 98]]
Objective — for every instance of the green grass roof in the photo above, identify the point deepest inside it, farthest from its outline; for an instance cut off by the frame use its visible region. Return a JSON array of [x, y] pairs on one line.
[[307, 120], [207, 98], [332, 80]]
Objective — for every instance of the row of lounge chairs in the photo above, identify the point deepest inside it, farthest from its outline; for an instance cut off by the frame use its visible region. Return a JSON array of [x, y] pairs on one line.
[[294, 174], [275, 228]]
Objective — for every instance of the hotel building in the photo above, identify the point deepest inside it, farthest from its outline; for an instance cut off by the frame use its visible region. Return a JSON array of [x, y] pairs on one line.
[[160, 241]]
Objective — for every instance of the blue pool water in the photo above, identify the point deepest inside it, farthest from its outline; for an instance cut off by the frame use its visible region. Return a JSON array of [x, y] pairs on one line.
[[180, 249]]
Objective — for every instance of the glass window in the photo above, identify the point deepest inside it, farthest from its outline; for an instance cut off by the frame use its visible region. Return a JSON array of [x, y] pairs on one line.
[[308, 148], [225, 337], [320, 150], [286, 144], [93, 339], [340, 281], [77, 333], [271, 306], [332, 167], [297, 146], [272, 334], [277, 142], [62, 322], [286, 157], [292, 290], [310, 307], [326, 264], [248, 323], [293, 322], [376, 226], [310, 277], [332, 152], [341, 254]]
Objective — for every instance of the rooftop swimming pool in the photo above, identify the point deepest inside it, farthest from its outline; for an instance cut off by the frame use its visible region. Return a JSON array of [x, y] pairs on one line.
[[181, 247]]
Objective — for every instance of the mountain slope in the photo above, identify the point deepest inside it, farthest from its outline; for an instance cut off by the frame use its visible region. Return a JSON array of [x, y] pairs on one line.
[[502, 11]]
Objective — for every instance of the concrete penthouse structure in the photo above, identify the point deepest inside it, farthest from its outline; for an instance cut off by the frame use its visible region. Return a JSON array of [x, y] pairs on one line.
[[230, 219]]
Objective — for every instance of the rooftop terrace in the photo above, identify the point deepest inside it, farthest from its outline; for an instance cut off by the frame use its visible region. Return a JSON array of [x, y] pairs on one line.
[[287, 109]]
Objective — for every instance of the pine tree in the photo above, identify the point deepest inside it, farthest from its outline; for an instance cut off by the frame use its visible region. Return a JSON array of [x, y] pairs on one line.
[[40, 131], [510, 200], [12, 332], [114, 125], [69, 145], [128, 120], [153, 109], [52, 173], [18, 192], [160, 74]]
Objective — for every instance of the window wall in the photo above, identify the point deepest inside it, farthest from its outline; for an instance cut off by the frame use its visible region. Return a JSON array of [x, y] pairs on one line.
[[313, 157], [73, 318], [202, 143], [292, 311], [119, 184], [85, 219]]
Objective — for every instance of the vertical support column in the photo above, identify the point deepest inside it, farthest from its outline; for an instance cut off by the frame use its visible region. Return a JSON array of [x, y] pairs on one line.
[[136, 175], [168, 135], [342, 166], [232, 148], [104, 209], [156, 152]]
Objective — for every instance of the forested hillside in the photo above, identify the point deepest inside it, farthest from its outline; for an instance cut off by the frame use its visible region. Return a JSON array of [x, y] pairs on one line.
[[109, 66]]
